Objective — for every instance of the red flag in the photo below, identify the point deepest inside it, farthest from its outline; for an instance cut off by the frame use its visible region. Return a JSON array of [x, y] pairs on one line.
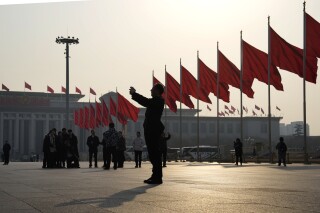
[[86, 118], [226, 112], [233, 109], [27, 86], [76, 117], [113, 111], [78, 91], [230, 74], [98, 114], [5, 88], [63, 89], [92, 91], [92, 117], [170, 103], [106, 118], [256, 107], [208, 108], [278, 108], [222, 113], [231, 112], [312, 36], [173, 90], [190, 86], [49, 89], [81, 119], [127, 109], [255, 65], [208, 81], [289, 57], [226, 107], [253, 112]]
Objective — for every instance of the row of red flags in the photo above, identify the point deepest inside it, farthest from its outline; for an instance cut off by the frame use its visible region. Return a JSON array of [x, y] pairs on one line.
[[255, 66], [232, 110], [98, 114]]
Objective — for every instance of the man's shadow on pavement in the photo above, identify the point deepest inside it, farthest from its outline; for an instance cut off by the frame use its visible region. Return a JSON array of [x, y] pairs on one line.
[[112, 201]]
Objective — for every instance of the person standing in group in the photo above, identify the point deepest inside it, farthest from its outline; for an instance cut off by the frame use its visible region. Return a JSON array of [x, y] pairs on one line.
[[111, 138], [238, 151], [121, 147], [72, 150], [164, 148], [49, 150], [282, 152], [6, 152], [46, 150], [64, 137], [137, 146], [153, 128], [93, 143], [59, 150]]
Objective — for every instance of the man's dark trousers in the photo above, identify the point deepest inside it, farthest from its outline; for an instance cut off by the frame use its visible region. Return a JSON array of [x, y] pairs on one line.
[[94, 154], [153, 146], [111, 151], [6, 157]]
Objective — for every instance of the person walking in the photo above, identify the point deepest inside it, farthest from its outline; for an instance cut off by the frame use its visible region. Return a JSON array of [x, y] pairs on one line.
[[238, 150], [121, 147], [153, 128], [282, 152], [6, 152], [164, 148], [93, 143], [137, 146], [111, 138]]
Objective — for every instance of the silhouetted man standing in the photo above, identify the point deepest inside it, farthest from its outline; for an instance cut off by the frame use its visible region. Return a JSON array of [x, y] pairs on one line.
[[111, 138], [72, 150], [121, 147], [238, 150], [6, 151], [164, 148], [153, 128], [93, 143], [282, 152]]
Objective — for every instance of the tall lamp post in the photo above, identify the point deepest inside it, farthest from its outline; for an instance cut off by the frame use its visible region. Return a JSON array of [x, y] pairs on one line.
[[67, 41]]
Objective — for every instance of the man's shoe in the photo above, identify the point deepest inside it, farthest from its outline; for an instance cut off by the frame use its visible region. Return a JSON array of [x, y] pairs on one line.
[[136, 167], [159, 181], [90, 166], [146, 181], [164, 166], [106, 168]]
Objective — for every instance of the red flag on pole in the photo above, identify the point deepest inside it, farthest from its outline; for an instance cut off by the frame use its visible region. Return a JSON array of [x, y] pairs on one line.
[[312, 36], [106, 118], [86, 118], [49, 89], [226, 107], [76, 117], [230, 74], [78, 91], [233, 109], [92, 91], [92, 117], [127, 109], [63, 89], [208, 81], [190, 86], [5, 88], [290, 58], [168, 100], [81, 118], [255, 65], [113, 111], [27, 86], [98, 114], [173, 89]]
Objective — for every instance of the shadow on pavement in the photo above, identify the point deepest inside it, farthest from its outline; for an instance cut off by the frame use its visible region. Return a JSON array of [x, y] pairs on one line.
[[294, 168], [112, 201]]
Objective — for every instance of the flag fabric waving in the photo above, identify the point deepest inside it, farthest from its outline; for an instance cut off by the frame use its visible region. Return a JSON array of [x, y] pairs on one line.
[[92, 91], [98, 114], [113, 111], [290, 58], [173, 90], [5, 88], [92, 123], [76, 117], [208, 81], [63, 89], [106, 118], [127, 109], [81, 118], [255, 65], [86, 118], [168, 100], [232, 108], [230, 74], [78, 91], [312, 36], [49, 89], [226, 107], [190, 86], [27, 86]]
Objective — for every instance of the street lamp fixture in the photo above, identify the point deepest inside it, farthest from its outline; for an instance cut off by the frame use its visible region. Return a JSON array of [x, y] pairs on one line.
[[67, 41]]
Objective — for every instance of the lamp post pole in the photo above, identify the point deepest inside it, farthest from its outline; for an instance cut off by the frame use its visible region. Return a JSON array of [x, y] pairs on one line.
[[67, 41]]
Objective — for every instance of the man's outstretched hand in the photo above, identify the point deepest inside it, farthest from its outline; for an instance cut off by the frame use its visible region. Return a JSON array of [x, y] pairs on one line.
[[132, 90]]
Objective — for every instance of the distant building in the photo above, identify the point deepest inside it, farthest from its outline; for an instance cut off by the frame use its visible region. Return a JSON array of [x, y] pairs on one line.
[[25, 118], [293, 129]]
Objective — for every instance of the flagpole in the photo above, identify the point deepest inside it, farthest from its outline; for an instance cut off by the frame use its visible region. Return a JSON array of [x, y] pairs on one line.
[[218, 94], [269, 98], [166, 97], [306, 160], [241, 87], [198, 121], [180, 110], [117, 110]]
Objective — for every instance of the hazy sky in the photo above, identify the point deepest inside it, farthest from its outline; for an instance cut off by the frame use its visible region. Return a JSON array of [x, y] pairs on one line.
[[122, 41]]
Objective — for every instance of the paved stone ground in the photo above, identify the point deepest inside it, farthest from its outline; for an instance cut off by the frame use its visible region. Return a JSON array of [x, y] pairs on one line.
[[188, 187]]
